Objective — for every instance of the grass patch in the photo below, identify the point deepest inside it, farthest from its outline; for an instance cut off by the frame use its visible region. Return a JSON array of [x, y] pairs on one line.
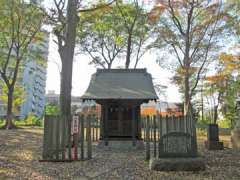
[[28, 122]]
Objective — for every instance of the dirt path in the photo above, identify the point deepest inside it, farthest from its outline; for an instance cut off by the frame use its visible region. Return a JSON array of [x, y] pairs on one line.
[[21, 149]]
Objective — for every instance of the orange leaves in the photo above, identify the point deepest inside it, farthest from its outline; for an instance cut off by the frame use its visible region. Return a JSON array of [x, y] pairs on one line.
[[215, 78], [156, 12]]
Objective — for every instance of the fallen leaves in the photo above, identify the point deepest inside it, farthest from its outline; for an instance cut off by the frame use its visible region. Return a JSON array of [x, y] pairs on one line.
[[20, 151]]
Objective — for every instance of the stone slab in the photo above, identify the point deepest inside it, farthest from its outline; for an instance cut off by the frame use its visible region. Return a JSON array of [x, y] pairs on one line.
[[177, 164], [124, 145]]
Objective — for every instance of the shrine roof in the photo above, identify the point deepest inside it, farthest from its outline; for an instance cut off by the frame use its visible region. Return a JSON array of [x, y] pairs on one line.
[[135, 84]]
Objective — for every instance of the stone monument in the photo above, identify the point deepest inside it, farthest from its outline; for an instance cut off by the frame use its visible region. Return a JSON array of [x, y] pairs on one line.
[[235, 134], [213, 142]]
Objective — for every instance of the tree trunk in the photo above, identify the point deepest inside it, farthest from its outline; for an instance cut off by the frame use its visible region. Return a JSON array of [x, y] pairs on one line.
[[66, 87], [9, 119], [128, 51], [67, 54]]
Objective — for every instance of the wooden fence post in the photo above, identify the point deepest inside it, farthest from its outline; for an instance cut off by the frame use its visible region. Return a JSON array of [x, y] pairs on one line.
[[51, 135], [63, 135], [147, 139], [89, 139], [69, 123], [160, 134], [82, 137], [46, 138], [97, 126], [154, 137], [144, 127], [57, 136], [106, 125], [133, 126]]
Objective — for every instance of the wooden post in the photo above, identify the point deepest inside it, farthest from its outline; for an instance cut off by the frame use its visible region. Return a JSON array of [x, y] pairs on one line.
[[195, 136], [97, 129], [144, 127], [79, 133], [139, 126], [102, 122], [174, 123], [46, 138], [82, 137], [167, 125], [160, 125], [147, 139], [63, 134], [51, 134], [178, 123], [154, 136], [160, 134], [106, 125], [69, 122], [150, 125], [185, 124], [133, 126], [57, 136], [89, 139]]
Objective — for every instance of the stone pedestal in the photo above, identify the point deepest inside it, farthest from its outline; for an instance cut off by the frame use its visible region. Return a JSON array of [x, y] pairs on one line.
[[214, 145], [177, 164], [213, 142]]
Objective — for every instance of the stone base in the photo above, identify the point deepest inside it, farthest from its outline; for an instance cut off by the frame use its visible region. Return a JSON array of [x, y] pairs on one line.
[[177, 164], [214, 145], [235, 139], [123, 145]]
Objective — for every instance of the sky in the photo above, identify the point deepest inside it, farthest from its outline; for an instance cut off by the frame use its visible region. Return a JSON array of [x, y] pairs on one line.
[[82, 72]]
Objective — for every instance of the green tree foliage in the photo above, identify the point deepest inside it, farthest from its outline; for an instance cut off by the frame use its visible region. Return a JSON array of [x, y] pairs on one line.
[[111, 32], [232, 7], [52, 109], [100, 35], [20, 24], [137, 29]]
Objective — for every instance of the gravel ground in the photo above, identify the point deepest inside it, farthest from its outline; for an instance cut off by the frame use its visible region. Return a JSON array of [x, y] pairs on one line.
[[21, 149]]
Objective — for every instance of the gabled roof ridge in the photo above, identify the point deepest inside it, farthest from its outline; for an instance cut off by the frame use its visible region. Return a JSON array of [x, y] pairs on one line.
[[142, 70]]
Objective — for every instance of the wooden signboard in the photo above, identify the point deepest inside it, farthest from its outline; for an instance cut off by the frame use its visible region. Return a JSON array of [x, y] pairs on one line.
[[75, 125]]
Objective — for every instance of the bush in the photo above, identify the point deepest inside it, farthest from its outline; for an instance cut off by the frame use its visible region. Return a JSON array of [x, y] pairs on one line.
[[1, 122], [30, 120], [51, 109], [224, 123]]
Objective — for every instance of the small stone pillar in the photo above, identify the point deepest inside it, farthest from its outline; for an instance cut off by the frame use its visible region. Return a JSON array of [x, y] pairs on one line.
[[213, 142], [235, 134]]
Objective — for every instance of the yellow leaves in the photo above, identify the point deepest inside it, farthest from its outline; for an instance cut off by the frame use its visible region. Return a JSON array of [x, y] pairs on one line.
[[226, 57], [182, 71], [231, 62], [18, 96]]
